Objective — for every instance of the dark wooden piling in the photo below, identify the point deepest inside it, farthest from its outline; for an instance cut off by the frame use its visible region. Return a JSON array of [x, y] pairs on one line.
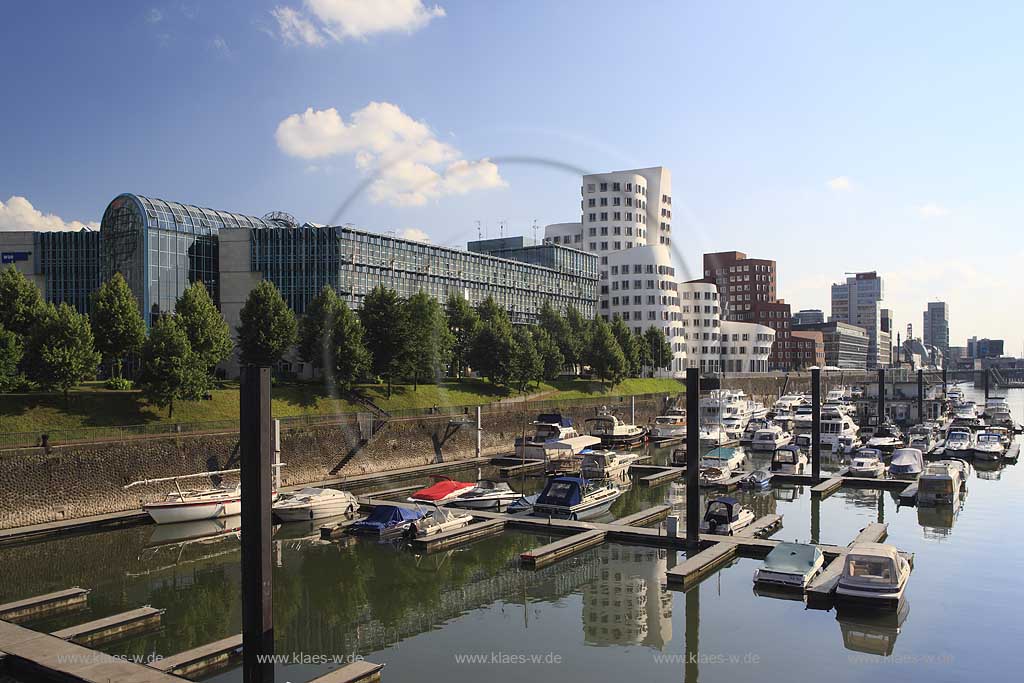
[[816, 424], [881, 395], [692, 456], [920, 395]]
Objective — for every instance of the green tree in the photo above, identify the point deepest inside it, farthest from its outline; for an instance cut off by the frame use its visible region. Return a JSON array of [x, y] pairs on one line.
[[661, 350], [268, 327], [208, 333], [21, 303], [429, 338], [579, 333], [643, 350], [552, 322], [627, 342], [551, 356], [526, 365], [386, 332], [316, 329], [606, 359], [116, 322], [11, 351], [63, 352], [464, 324], [351, 359], [492, 352], [170, 369], [490, 311]]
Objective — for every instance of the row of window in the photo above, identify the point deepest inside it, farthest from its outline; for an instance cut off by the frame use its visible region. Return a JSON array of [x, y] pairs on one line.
[[617, 187], [617, 201], [637, 217]]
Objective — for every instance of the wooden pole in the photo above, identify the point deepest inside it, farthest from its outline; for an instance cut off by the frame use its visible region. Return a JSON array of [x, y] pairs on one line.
[[920, 395], [816, 424], [256, 441], [881, 396], [692, 456]]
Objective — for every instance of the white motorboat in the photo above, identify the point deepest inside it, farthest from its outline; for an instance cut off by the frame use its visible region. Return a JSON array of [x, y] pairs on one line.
[[713, 435], [788, 403], [791, 565], [607, 464], [873, 572], [387, 521], [988, 446], [922, 436], [437, 521], [486, 495], [955, 394], [314, 503], [1004, 435], [836, 425], [769, 438], [847, 445], [725, 458], [667, 427], [752, 428], [941, 482], [803, 417], [906, 463], [442, 490], [997, 411], [614, 432], [867, 462], [725, 516], [959, 443], [789, 460], [758, 480], [575, 498], [566, 455], [710, 476], [886, 438], [547, 429]]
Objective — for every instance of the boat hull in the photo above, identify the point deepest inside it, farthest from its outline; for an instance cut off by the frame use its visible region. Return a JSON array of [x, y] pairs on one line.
[[299, 513], [173, 513], [583, 511], [495, 503]]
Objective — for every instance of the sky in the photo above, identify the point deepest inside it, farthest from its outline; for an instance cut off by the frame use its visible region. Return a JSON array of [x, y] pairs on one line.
[[831, 137]]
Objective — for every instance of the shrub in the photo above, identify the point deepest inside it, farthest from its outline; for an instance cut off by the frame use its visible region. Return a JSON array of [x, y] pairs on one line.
[[118, 384]]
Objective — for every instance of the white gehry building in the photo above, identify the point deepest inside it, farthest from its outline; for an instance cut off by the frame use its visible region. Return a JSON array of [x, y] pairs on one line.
[[715, 345]]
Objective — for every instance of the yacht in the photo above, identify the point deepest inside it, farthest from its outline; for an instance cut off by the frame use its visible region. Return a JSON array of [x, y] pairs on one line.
[[666, 427], [886, 438], [752, 427], [437, 521], [906, 463], [314, 503], [547, 428], [1004, 435], [803, 417], [725, 458], [713, 435], [873, 572], [486, 495], [725, 516], [196, 504], [769, 438], [867, 462], [836, 425], [791, 565], [988, 446], [922, 436], [607, 464], [941, 482], [387, 521], [575, 498], [730, 409], [788, 403], [613, 432], [997, 412], [959, 443], [789, 460]]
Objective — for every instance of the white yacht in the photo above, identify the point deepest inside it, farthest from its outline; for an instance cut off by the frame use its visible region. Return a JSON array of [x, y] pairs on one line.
[[886, 438], [547, 429], [575, 498], [988, 446], [314, 503], [788, 403], [941, 482], [955, 394], [725, 516], [614, 432], [730, 409], [836, 425], [752, 427], [959, 443], [789, 460], [196, 504], [607, 464], [769, 438], [922, 436], [873, 572], [666, 427], [714, 436], [867, 462], [486, 495], [997, 411], [803, 417]]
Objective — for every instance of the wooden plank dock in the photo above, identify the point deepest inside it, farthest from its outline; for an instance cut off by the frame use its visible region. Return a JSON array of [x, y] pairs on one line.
[[908, 496], [652, 475], [456, 537], [112, 627], [764, 525], [561, 549], [645, 517], [356, 672], [529, 466], [827, 487], [40, 605], [203, 658], [701, 565]]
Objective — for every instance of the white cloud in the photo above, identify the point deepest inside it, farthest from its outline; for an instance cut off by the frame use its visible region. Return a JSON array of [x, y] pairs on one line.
[[154, 16], [841, 183], [352, 19], [414, 234], [932, 210], [408, 163], [19, 214], [220, 45]]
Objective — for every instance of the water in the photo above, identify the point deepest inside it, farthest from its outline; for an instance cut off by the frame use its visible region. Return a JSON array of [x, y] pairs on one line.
[[472, 613]]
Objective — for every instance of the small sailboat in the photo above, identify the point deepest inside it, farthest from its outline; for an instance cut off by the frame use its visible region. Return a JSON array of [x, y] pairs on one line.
[[190, 505], [314, 503]]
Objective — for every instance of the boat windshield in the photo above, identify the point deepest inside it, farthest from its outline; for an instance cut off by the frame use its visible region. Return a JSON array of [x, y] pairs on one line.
[[935, 485], [988, 438], [718, 511], [766, 435], [545, 432], [869, 569], [785, 457]]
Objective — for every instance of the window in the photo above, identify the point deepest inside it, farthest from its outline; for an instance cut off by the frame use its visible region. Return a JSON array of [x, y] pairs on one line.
[[590, 187], [616, 187], [604, 187]]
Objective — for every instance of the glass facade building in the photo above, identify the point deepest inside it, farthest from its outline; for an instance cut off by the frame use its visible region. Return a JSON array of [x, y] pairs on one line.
[[69, 264]]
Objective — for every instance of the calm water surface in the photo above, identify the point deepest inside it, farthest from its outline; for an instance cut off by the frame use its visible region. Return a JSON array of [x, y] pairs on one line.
[[604, 615]]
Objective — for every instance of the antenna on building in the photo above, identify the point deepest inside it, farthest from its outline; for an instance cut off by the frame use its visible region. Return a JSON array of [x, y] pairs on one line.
[[479, 232], [534, 229], [501, 228]]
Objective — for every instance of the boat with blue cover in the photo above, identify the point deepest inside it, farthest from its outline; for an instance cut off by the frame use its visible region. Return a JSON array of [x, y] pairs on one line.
[[575, 498], [387, 521]]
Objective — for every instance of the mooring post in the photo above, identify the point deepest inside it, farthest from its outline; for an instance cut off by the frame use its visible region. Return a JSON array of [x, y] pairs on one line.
[[815, 519], [816, 424], [256, 445], [943, 382], [277, 455], [881, 396], [479, 431], [987, 372], [632, 410], [692, 456], [920, 395]]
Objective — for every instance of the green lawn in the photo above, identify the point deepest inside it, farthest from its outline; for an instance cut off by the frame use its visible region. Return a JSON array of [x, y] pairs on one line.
[[90, 405]]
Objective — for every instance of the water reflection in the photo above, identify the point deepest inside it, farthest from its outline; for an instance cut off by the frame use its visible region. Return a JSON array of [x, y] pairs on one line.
[[871, 631], [626, 604], [937, 520]]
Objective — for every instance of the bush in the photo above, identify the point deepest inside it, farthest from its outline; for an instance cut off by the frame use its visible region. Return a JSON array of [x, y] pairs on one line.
[[118, 384]]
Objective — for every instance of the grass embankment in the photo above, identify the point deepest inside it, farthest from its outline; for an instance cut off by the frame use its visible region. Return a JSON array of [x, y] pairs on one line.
[[91, 405]]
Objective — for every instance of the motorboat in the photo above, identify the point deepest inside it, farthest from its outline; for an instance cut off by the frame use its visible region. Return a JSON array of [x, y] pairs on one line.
[[575, 498], [566, 455], [988, 446], [522, 504], [846, 445], [725, 458], [314, 503], [997, 411], [803, 417], [725, 516], [922, 436], [486, 495], [959, 443], [788, 403], [836, 425], [769, 438], [955, 394], [442, 490], [714, 435], [886, 438], [666, 427], [803, 442], [752, 428], [867, 462], [873, 572], [906, 463], [547, 428], [1004, 435], [712, 476], [758, 480], [941, 482], [791, 565], [607, 464], [387, 521], [614, 432], [789, 460], [437, 521]]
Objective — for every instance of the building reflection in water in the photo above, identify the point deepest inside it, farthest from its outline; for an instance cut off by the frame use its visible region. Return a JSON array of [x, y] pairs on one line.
[[871, 631], [937, 520], [626, 604]]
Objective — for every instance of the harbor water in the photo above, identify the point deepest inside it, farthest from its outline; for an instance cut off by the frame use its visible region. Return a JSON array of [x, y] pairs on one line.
[[473, 614]]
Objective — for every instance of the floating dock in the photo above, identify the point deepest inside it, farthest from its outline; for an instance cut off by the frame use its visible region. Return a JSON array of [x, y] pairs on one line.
[[456, 537], [112, 627], [821, 591], [42, 605], [516, 466], [356, 672], [652, 475], [561, 549], [827, 487], [765, 525], [204, 658], [645, 517], [696, 568]]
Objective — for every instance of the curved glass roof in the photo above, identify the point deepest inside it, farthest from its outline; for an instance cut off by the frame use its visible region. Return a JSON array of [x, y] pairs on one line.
[[195, 220]]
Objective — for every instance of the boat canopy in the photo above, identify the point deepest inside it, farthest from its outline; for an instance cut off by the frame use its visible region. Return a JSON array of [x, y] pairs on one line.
[[724, 509], [786, 455], [553, 419], [906, 458], [792, 558], [384, 516], [565, 491], [441, 490], [872, 564]]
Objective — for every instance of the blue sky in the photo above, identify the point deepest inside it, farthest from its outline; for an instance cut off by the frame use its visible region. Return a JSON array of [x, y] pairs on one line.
[[828, 136]]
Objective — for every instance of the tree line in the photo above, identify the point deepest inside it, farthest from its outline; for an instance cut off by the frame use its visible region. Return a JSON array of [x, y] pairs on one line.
[[416, 340]]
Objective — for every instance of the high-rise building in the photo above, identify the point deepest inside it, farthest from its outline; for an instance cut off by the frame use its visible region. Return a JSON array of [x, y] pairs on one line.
[[936, 326], [846, 346], [984, 348], [715, 345], [809, 316], [858, 301]]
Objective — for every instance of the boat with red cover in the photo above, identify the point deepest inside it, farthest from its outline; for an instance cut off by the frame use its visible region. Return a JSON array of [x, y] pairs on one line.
[[441, 491]]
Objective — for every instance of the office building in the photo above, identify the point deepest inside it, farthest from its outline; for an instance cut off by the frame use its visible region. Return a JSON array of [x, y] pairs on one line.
[[858, 301], [715, 345], [985, 348], [936, 326], [808, 316], [846, 346], [65, 266]]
